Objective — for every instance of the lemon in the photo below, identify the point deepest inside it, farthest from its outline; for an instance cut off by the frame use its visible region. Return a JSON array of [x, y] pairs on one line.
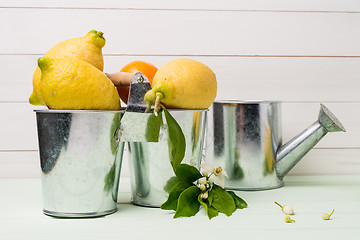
[[87, 48], [69, 83], [184, 83]]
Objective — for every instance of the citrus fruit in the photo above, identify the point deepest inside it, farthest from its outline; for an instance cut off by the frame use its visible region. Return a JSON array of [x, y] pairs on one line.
[[69, 83], [146, 68], [183, 83], [87, 48]]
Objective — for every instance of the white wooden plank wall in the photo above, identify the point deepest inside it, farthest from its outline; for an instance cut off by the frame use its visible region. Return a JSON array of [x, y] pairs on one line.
[[301, 52]]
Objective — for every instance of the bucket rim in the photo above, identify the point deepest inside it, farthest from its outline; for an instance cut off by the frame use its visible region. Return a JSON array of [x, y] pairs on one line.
[[246, 101], [122, 110], [77, 111]]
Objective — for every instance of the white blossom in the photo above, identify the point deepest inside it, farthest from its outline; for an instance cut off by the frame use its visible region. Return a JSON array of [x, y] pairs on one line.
[[216, 174]]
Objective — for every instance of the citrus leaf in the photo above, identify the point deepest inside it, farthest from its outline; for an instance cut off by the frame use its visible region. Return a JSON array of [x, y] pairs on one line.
[[188, 204], [239, 202], [185, 172], [222, 200], [172, 201], [176, 140], [210, 210], [153, 127], [170, 184], [210, 199]]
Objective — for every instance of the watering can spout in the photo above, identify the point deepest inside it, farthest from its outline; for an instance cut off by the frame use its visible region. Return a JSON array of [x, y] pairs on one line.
[[290, 153]]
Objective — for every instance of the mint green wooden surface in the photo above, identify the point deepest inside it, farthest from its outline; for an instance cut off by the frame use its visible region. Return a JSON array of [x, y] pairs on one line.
[[21, 214]]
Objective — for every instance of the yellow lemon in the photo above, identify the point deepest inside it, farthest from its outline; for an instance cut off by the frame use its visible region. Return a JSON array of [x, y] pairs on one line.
[[69, 83], [87, 48], [184, 83]]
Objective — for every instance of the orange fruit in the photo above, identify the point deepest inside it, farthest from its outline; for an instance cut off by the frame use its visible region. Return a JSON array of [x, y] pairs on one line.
[[146, 68]]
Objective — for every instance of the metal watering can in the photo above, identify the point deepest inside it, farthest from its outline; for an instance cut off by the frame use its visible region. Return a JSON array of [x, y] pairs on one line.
[[245, 138]]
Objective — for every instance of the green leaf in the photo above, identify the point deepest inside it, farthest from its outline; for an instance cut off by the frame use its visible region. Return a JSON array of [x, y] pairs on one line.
[[185, 172], [222, 200], [172, 201], [239, 202], [210, 210], [170, 184], [210, 199], [188, 205], [153, 127], [176, 140]]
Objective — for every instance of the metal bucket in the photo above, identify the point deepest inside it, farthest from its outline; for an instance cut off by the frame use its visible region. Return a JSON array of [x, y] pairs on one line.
[[81, 157], [150, 167]]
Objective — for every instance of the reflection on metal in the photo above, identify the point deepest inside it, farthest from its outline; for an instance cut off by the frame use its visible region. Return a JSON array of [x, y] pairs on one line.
[[150, 167], [245, 137], [138, 87], [136, 125]]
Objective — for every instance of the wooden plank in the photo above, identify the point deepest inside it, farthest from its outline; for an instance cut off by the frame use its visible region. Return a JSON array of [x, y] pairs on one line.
[[19, 164], [286, 79], [18, 127], [232, 5], [185, 32], [298, 116], [329, 162], [26, 164]]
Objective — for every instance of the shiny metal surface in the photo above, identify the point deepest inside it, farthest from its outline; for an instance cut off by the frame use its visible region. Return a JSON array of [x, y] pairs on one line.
[[136, 125], [81, 155], [139, 127], [245, 137], [150, 167], [138, 87]]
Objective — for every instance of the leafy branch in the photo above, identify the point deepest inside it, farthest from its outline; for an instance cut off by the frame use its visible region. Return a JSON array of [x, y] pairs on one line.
[[189, 189]]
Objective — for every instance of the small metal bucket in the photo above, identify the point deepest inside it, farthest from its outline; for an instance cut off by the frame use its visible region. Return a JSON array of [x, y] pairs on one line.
[[81, 157], [150, 167]]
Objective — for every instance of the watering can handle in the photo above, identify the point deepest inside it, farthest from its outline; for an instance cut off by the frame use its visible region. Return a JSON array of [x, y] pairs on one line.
[[121, 79]]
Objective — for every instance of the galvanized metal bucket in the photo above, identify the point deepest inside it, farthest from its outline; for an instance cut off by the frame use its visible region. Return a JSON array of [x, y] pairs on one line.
[[150, 167], [81, 157]]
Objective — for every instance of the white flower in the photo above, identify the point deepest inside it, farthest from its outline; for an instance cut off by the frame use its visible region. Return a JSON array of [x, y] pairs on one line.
[[215, 174]]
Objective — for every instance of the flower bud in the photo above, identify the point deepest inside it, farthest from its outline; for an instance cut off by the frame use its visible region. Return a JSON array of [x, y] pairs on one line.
[[287, 219], [288, 210], [204, 173], [202, 181], [326, 216], [202, 187], [204, 195]]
